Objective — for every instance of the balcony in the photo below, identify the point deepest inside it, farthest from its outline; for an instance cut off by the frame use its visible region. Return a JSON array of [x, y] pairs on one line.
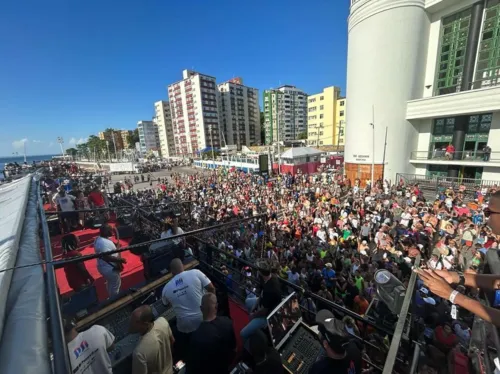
[[481, 100], [464, 158]]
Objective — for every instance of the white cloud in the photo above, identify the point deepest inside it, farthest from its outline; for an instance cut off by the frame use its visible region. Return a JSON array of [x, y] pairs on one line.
[[74, 141], [16, 144], [37, 141]]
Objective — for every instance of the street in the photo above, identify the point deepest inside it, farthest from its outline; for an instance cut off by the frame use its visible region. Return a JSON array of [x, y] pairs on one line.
[[161, 173]]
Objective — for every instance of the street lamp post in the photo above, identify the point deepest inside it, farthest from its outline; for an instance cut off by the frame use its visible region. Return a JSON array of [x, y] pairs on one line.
[[60, 140]]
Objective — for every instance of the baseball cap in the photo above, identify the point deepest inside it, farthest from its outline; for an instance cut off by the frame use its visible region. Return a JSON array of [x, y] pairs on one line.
[[333, 330]]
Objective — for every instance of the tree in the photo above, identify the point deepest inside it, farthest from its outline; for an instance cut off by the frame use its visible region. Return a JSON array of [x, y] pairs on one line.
[[262, 129], [302, 135], [96, 146], [83, 149], [132, 138], [71, 151]]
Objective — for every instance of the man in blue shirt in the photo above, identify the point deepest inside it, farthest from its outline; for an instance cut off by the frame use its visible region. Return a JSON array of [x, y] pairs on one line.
[[329, 275]]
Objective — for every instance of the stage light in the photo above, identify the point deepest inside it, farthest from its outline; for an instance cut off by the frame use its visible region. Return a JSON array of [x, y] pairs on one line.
[[390, 290]]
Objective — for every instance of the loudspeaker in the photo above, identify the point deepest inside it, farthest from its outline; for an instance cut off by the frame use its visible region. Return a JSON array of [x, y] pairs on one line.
[[263, 164], [54, 226], [126, 231], [98, 222], [157, 263]]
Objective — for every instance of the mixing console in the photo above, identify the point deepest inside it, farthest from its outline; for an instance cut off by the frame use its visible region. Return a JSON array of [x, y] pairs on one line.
[[160, 310], [118, 324], [300, 351]]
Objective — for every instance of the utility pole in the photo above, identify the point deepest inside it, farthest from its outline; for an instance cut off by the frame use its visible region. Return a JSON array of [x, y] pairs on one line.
[[109, 154], [24, 144]]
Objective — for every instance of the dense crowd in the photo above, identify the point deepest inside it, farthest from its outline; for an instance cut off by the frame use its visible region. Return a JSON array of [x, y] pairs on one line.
[[328, 236]]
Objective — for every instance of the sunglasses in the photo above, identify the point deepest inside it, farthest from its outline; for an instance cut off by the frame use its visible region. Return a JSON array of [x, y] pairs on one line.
[[488, 212]]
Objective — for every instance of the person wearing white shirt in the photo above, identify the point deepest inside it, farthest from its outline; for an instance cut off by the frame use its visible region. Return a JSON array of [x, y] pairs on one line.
[[184, 291], [109, 266], [65, 204], [88, 350]]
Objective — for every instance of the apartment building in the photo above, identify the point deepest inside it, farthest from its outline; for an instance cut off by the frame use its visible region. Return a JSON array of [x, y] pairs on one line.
[[239, 113], [339, 139], [436, 83], [124, 135], [148, 136], [114, 138], [163, 120], [285, 114], [194, 111], [322, 122]]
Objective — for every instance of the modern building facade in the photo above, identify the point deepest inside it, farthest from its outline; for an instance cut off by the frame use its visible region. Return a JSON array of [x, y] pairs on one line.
[[163, 120], [124, 135], [322, 117], [239, 113], [148, 136], [436, 83], [114, 138], [285, 114], [340, 122], [194, 111]]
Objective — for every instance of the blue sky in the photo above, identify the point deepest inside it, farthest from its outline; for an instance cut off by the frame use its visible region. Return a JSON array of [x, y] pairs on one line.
[[71, 68]]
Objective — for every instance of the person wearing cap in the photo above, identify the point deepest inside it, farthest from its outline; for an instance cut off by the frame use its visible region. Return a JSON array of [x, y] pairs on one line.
[[342, 355], [269, 299]]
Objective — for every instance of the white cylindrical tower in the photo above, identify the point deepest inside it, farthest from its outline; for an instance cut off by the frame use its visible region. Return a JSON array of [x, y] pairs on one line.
[[386, 62]]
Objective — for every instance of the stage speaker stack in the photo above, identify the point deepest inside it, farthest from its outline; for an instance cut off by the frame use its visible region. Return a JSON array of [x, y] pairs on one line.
[[125, 231], [263, 165]]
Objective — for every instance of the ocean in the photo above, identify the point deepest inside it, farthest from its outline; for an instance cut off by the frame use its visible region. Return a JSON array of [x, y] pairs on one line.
[[20, 159]]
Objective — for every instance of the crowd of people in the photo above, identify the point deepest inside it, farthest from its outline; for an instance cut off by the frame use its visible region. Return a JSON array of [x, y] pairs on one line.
[[328, 236]]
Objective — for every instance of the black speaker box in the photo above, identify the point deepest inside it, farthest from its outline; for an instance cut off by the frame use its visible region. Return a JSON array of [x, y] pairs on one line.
[[126, 231]]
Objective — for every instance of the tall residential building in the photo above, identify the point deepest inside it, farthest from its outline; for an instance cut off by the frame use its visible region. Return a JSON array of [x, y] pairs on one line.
[[339, 139], [148, 136], [163, 119], [322, 117], [239, 113], [114, 138], [436, 83], [285, 114], [194, 108], [124, 135]]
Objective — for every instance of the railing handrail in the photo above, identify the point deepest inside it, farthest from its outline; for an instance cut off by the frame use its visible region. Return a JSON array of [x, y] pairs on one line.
[[60, 348]]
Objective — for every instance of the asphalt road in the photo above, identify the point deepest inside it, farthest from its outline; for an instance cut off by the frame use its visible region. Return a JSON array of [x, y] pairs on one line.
[[161, 173]]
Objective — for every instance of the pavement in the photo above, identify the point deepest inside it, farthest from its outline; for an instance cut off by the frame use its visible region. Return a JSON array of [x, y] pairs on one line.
[[160, 173]]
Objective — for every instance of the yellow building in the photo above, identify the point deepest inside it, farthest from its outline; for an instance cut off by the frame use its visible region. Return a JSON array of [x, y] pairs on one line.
[[322, 117], [340, 122]]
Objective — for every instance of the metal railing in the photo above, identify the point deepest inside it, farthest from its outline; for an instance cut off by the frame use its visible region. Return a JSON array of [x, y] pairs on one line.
[[472, 86], [435, 184], [442, 155]]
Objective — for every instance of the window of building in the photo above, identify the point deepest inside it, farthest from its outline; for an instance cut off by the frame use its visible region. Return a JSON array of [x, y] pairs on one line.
[[342, 103], [321, 116], [321, 107], [312, 109], [453, 45], [488, 59], [322, 98], [341, 113]]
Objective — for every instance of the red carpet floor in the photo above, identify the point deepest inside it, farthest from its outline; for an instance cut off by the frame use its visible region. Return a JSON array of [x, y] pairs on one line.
[[240, 319], [131, 276]]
